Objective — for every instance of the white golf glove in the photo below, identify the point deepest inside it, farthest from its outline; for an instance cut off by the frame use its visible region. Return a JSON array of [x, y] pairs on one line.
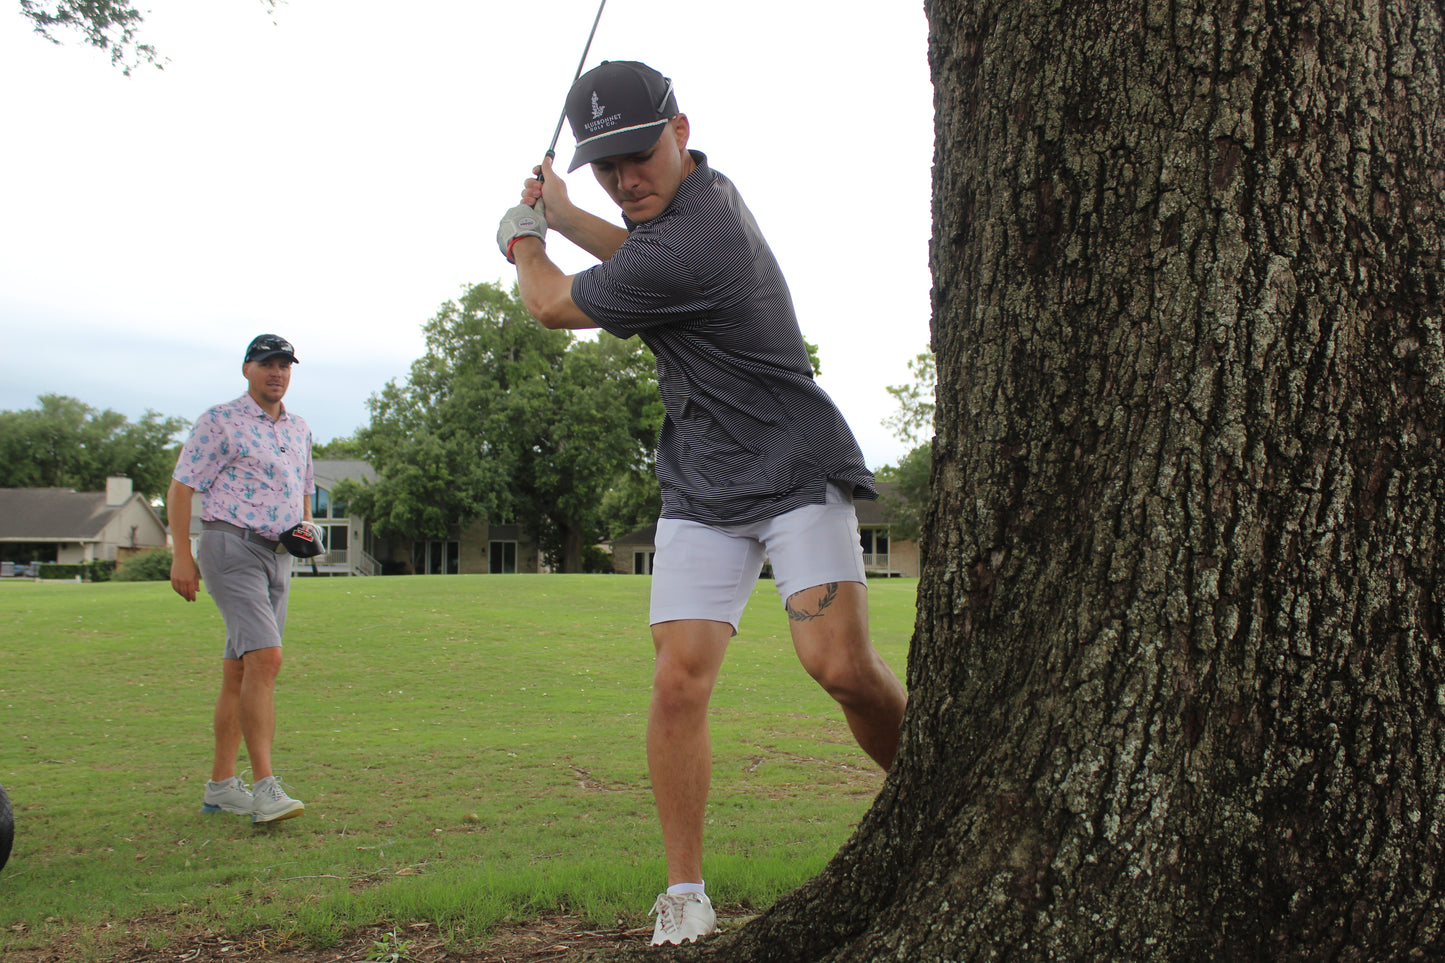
[[521, 221]]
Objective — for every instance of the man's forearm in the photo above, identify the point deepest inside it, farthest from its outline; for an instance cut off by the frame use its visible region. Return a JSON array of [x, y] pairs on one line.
[[185, 574], [546, 291], [178, 516], [597, 237]]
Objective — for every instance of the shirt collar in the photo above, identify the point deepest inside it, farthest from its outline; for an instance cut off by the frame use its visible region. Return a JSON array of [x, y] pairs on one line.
[[694, 181], [691, 185], [256, 411]]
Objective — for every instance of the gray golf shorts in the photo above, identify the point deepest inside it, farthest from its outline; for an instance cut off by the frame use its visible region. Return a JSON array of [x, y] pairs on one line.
[[708, 571], [250, 584]]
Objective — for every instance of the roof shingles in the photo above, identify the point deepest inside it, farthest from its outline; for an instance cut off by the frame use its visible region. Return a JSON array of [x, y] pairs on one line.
[[53, 515]]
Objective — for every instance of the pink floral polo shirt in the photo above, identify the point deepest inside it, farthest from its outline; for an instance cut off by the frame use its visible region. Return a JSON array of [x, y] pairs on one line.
[[250, 471]]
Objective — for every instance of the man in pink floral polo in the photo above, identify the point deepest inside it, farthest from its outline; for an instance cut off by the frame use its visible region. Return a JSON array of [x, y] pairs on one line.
[[250, 460]]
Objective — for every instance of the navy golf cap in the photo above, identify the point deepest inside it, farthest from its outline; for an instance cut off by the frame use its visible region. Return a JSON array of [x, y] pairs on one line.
[[265, 346], [617, 108]]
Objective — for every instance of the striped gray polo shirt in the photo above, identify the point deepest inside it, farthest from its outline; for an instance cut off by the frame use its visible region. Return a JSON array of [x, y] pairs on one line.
[[748, 434]]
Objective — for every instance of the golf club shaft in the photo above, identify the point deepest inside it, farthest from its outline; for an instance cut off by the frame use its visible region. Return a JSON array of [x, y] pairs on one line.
[[552, 149]]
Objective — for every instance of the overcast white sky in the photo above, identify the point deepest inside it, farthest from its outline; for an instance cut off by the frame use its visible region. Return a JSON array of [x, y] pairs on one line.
[[335, 171]]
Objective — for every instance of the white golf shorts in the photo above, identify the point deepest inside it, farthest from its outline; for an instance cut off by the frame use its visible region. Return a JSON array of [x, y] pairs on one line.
[[709, 571]]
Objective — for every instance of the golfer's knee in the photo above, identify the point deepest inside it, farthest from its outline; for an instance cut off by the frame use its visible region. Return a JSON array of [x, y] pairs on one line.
[[851, 683], [680, 687], [263, 662]]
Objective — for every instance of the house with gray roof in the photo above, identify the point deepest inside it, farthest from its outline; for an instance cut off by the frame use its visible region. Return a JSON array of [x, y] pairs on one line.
[[350, 545], [66, 526]]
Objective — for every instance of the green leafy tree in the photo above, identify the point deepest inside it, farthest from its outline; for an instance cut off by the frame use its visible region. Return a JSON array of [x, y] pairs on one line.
[[904, 504], [345, 446], [112, 26], [105, 24], [503, 419], [606, 415], [634, 500], [813, 358], [913, 422], [65, 443]]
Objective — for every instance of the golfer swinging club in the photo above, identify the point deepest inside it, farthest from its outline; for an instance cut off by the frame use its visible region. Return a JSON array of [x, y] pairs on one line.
[[754, 460]]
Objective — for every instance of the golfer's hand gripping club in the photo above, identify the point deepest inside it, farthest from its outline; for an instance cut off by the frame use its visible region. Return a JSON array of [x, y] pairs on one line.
[[524, 220]]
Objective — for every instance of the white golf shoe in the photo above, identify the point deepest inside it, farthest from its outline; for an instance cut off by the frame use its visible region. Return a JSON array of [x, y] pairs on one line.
[[272, 803], [682, 918], [228, 795]]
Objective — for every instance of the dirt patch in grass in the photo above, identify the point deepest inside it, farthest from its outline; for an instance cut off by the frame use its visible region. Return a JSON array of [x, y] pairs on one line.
[[549, 939]]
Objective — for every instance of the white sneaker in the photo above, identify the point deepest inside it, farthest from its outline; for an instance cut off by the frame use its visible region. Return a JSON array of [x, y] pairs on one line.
[[272, 803], [682, 918], [228, 795]]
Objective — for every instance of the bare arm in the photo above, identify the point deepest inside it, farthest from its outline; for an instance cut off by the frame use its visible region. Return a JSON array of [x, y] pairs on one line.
[[597, 237], [185, 574], [546, 291]]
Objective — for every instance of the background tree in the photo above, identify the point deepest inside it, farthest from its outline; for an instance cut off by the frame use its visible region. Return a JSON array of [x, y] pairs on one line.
[[112, 26], [343, 446], [913, 421], [65, 443], [1176, 682], [634, 500], [607, 417], [906, 502], [506, 420]]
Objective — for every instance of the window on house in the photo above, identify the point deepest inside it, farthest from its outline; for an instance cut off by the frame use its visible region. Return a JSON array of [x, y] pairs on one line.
[[502, 558], [435, 557], [338, 537], [875, 545], [642, 563], [320, 502]]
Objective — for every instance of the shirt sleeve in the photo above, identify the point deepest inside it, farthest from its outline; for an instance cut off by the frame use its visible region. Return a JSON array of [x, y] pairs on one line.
[[645, 284], [204, 454]]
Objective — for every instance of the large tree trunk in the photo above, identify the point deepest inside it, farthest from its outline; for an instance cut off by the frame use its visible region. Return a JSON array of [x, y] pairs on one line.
[[1177, 682], [570, 537]]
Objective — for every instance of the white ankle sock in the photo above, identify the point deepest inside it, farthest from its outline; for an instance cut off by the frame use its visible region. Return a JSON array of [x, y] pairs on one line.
[[678, 889]]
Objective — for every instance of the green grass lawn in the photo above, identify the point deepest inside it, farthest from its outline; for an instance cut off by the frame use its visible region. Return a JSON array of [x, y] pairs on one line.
[[469, 748]]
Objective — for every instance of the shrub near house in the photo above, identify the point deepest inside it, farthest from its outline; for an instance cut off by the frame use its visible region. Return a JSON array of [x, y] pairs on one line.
[[147, 567]]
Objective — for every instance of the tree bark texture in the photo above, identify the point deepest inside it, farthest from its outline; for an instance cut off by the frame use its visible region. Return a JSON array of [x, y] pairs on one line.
[[1177, 689]]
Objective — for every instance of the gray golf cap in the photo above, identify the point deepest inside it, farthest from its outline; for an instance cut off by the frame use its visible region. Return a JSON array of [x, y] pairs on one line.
[[618, 108]]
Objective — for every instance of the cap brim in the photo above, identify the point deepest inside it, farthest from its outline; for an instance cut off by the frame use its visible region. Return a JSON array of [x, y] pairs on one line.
[[617, 143], [275, 354]]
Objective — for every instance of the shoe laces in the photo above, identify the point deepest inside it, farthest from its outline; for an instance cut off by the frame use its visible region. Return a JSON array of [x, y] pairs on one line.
[[669, 909], [273, 788]]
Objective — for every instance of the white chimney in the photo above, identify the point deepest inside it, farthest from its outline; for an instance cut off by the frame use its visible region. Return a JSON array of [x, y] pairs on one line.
[[117, 491]]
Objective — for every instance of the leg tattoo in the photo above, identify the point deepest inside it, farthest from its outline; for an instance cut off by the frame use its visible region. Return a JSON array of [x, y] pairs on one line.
[[830, 595]]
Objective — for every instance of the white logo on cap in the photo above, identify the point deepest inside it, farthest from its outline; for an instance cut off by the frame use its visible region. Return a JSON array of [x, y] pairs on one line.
[[597, 109]]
